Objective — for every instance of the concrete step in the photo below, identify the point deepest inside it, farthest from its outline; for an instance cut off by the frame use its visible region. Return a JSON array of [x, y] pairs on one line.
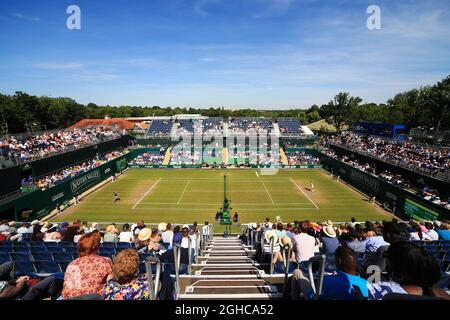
[[229, 272], [231, 296]]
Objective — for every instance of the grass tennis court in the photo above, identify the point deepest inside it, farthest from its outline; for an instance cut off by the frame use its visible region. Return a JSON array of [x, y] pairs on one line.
[[182, 196]]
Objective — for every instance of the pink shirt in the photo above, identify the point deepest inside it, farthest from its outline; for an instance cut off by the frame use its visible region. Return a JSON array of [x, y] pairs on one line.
[[304, 246]]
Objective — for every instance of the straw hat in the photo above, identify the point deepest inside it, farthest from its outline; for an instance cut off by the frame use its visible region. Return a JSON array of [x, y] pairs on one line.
[[111, 229], [35, 222], [285, 240], [329, 231], [94, 225], [144, 234], [162, 226], [269, 234], [12, 223]]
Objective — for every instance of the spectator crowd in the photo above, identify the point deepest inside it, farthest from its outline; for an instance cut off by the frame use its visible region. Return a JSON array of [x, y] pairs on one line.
[[44, 144]]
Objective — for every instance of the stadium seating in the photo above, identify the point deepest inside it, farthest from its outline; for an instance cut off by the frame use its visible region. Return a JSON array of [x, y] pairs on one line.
[[160, 128]]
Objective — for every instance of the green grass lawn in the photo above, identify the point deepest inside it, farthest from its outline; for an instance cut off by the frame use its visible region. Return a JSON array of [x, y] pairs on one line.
[[184, 196]]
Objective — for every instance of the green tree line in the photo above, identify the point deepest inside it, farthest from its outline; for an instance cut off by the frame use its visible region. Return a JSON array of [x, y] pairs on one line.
[[426, 106]]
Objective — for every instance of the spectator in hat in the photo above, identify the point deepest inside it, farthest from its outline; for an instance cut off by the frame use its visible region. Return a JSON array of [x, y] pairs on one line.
[[328, 238], [143, 240], [51, 233], [89, 272]]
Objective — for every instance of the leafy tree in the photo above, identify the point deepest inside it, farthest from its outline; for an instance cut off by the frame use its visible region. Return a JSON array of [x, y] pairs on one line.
[[341, 110]]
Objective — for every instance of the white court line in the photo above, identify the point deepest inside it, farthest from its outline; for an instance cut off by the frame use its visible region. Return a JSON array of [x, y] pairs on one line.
[[218, 203], [145, 194], [256, 172], [267, 192], [241, 209], [187, 184], [304, 194]]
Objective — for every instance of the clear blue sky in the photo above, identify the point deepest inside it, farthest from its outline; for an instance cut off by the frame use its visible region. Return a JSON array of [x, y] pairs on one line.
[[231, 53]]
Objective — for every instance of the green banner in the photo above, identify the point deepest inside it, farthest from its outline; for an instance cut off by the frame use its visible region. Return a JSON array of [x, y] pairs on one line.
[[417, 211]]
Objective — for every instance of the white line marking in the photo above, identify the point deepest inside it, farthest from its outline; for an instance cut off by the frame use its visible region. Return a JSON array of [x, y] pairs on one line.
[[218, 203], [267, 192], [187, 184], [304, 194], [256, 172], [146, 193], [241, 209]]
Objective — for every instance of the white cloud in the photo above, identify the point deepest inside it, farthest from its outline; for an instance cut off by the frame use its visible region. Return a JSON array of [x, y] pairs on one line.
[[24, 17]]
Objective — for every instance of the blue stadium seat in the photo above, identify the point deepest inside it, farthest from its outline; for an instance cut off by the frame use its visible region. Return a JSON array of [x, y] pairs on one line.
[[37, 244], [51, 244], [72, 250], [23, 268], [6, 244], [63, 265], [439, 255], [20, 244], [38, 249], [66, 244], [62, 256], [445, 266], [46, 268], [5, 250], [4, 257], [55, 249], [20, 249], [20, 257], [108, 245], [124, 245], [42, 256]]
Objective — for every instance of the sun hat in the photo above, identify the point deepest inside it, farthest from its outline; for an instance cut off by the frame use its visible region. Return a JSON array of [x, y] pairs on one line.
[[285, 240], [34, 222], [271, 234], [162, 226], [94, 225], [329, 231], [12, 223], [185, 226], [111, 229], [144, 234]]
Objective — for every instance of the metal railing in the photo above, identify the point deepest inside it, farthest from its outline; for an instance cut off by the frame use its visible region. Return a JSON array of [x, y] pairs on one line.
[[153, 284]]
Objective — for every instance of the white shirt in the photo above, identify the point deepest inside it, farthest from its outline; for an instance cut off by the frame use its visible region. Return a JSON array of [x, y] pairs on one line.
[[185, 243], [167, 236], [23, 230], [433, 235], [4, 228], [205, 230], [126, 236], [415, 236]]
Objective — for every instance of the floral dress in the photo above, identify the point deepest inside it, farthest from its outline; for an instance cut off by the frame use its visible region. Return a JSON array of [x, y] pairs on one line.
[[137, 290]]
